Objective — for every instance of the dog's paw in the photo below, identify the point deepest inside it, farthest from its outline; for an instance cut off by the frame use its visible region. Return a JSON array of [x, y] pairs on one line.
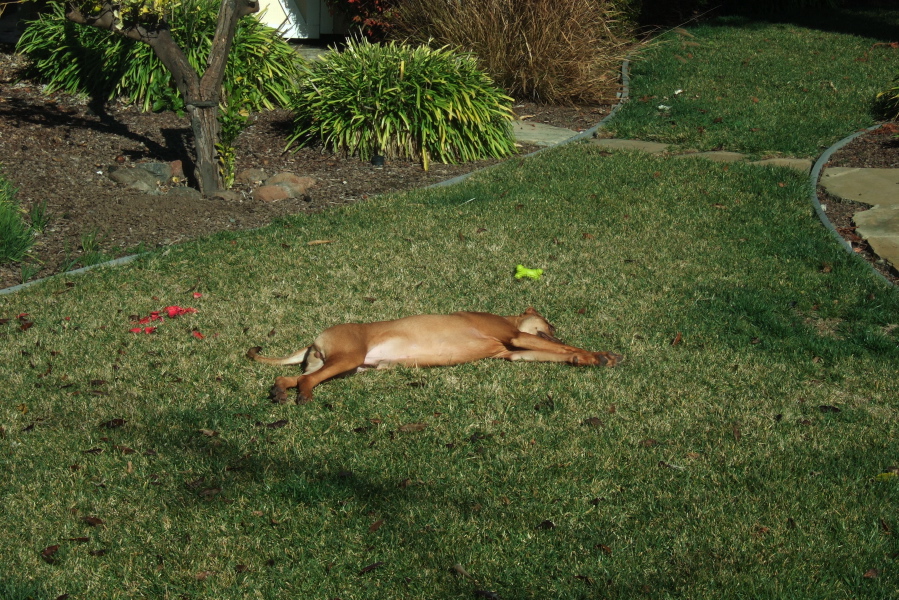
[[608, 359], [278, 395], [303, 397]]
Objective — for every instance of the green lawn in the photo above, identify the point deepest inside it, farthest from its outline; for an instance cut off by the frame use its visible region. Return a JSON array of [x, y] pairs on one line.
[[761, 88], [741, 451]]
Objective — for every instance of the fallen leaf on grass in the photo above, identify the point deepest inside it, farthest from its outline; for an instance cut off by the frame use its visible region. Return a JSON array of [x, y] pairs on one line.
[[411, 427], [592, 422], [872, 573], [203, 575], [461, 571], [677, 339], [826, 408], [92, 521], [371, 567], [319, 242], [113, 423], [208, 432], [375, 526], [48, 552], [277, 424]]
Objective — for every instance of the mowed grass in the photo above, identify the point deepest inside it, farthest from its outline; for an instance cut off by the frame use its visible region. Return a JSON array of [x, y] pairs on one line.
[[739, 452], [769, 89]]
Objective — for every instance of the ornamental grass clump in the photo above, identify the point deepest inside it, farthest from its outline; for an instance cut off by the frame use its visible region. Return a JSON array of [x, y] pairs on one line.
[[398, 101], [552, 51]]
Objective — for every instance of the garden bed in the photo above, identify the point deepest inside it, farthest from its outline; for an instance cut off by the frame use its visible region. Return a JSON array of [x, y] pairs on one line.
[[56, 150]]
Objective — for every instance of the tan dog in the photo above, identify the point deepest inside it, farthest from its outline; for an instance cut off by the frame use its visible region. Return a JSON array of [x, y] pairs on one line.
[[426, 341]]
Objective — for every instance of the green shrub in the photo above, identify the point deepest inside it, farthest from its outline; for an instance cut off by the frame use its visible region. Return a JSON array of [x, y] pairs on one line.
[[82, 59], [399, 101], [16, 236], [888, 101], [554, 51]]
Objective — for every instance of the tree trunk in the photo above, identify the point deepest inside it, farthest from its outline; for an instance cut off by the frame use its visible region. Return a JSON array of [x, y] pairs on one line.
[[201, 94], [205, 125]]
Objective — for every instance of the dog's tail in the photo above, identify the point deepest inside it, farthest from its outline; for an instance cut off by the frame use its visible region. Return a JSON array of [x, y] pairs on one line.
[[297, 358]]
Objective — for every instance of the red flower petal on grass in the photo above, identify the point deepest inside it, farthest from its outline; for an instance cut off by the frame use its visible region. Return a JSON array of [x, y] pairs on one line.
[[197, 335], [197, 295], [177, 311]]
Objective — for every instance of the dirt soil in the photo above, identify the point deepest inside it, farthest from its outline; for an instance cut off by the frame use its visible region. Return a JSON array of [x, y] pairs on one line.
[[57, 150]]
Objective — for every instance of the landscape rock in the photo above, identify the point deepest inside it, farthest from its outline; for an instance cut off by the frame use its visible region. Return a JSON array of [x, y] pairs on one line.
[[251, 176], [297, 187], [162, 171], [271, 193], [177, 169], [137, 179]]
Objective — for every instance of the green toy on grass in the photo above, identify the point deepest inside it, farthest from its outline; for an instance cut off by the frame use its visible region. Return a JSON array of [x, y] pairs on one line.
[[521, 271]]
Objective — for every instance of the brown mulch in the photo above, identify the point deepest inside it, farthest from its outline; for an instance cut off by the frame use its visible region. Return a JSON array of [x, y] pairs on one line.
[[56, 150]]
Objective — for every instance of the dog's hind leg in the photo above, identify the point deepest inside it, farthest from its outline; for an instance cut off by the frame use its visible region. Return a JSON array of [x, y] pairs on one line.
[[334, 365]]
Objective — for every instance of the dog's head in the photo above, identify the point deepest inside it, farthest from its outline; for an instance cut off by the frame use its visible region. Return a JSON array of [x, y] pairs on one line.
[[530, 321]]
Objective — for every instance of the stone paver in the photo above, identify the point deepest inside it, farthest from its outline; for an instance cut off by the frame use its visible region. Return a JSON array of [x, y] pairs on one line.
[[540, 134], [879, 226]]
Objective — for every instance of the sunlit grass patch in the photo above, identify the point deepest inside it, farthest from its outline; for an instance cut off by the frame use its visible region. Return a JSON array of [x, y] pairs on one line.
[[762, 88]]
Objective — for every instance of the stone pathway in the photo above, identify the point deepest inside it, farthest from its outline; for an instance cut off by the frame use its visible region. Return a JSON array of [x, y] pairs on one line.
[[879, 226], [880, 188]]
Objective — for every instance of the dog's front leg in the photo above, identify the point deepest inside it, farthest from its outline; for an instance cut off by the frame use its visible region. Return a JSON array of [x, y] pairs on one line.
[[537, 348]]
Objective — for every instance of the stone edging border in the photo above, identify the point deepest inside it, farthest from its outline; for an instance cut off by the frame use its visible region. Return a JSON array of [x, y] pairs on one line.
[[815, 175]]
